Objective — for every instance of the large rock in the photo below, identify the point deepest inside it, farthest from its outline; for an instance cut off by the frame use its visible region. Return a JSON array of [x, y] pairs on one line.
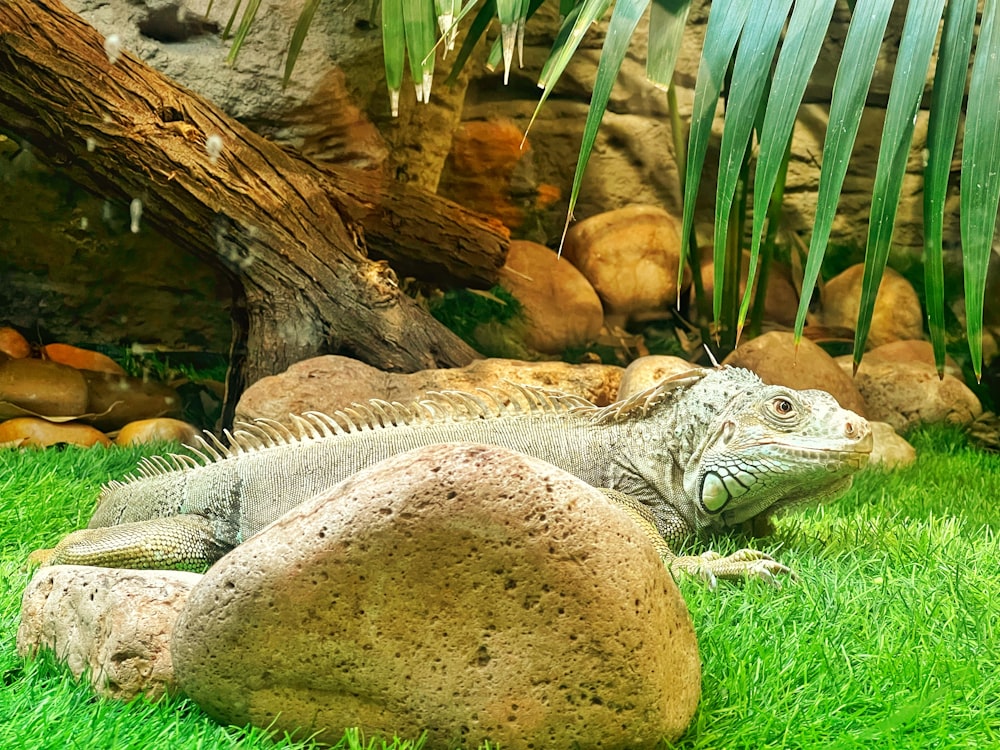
[[113, 626], [906, 394], [35, 386], [465, 590], [630, 256], [645, 372], [777, 360], [560, 306], [332, 382]]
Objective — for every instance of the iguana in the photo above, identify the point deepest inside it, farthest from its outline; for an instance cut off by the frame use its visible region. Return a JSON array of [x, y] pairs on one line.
[[701, 452]]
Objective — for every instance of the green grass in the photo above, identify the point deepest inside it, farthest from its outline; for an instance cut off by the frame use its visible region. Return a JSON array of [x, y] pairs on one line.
[[890, 638]]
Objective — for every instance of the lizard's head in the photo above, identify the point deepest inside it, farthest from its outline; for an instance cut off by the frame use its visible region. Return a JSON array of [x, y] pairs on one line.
[[771, 447]]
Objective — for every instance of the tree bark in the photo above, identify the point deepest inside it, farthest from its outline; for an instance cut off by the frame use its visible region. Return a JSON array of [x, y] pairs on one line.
[[293, 234]]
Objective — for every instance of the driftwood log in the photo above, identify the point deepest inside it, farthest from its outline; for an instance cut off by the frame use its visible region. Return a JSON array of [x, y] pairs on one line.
[[294, 235]]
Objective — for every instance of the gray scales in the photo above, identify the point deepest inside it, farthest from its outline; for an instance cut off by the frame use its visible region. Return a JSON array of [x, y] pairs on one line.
[[703, 452]]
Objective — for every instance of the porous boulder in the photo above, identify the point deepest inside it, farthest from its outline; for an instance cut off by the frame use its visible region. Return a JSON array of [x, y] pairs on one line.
[[630, 256], [560, 306], [778, 360], [332, 382], [111, 626], [465, 590], [906, 394]]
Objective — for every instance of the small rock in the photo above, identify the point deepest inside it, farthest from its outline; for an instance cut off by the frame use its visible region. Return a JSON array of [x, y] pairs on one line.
[[889, 450], [161, 429], [461, 589], [561, 307], [34, 386], [81, 359], [23, 432], [630, 256], [906, 394], [112, 625], [115, 400], [897, 315], [332, 382], [781, 303], [775, 358], [13, 344], [645, 372]]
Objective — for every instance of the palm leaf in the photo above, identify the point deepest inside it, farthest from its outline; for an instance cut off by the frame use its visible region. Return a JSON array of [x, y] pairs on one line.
[[850, 89], [724, 25], [667, 19], [915, 46], [942, 128], [244, 28], [393, 49], [758, 43], [298, 36], [420, 30], [624, 19], [980, 186], [799, 51]]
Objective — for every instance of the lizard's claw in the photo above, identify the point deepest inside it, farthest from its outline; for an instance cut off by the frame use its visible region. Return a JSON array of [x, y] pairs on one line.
[[741, 565]]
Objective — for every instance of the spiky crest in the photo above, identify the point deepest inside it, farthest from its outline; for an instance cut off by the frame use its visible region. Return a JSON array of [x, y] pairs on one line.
[[508, 400]]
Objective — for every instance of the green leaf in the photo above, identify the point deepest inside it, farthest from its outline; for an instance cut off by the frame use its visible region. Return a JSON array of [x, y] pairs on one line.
[[850, 89], [725, 21], [298, 36], [476, 30], [945, 110], [420, 29], [624, 19], [799, 50], [244, 28], [980, 186], [393, 49], [570, 35], [758, 43], [667, 19], [915, 46]]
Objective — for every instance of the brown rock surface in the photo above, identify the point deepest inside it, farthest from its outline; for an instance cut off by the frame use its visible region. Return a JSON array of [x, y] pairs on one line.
[[629, 256], [906, 394], [561, 307], [646, 372], [897, 315], [157, 430], [13, 344], [112, 625], [890, 450], [461, 589], [33, 386], [22, 432], [332, 382], [116, 400], [775, 358], [912, 351]]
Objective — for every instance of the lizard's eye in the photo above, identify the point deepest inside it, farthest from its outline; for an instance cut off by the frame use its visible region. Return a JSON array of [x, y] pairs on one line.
[[783, 407]]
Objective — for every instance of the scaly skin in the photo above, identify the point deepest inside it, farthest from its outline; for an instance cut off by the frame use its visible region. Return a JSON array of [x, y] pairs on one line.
[[704, 452]]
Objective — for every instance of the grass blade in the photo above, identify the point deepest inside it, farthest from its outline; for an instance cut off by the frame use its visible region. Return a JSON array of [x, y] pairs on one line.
[[915, 46], [980, 186], [298, 36], [942, 128], [850, 89], [667, 19], [799, 51], [750, 73], [725, 21]]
